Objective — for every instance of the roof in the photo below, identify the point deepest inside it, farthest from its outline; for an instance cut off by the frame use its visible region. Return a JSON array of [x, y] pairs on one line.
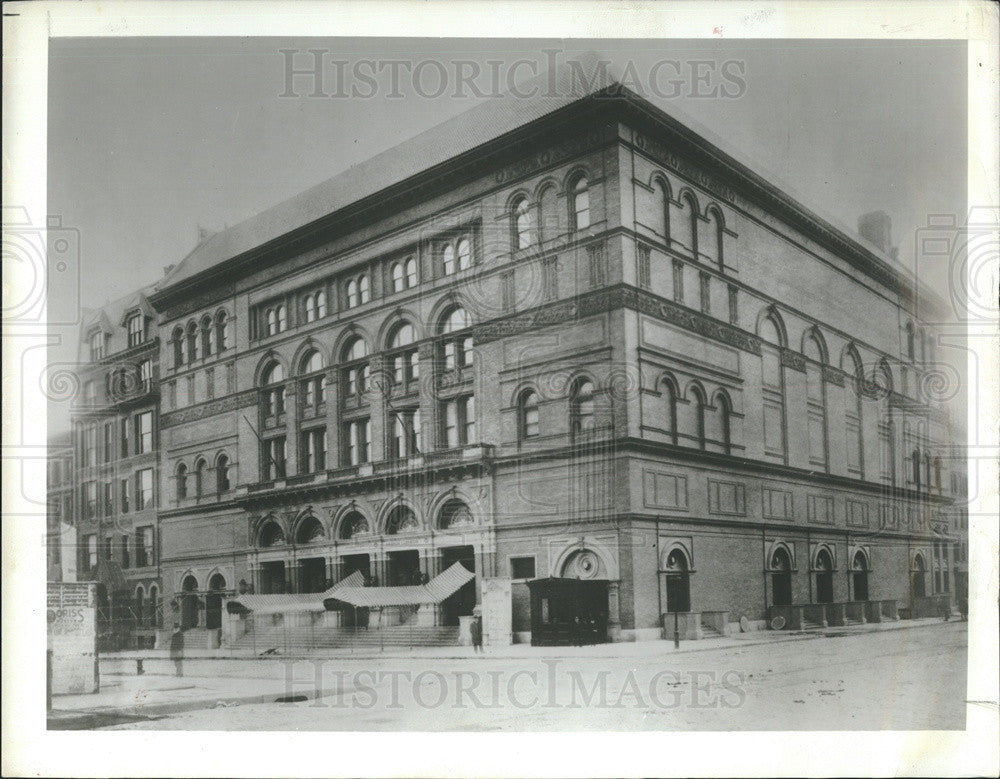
[[436, 590]]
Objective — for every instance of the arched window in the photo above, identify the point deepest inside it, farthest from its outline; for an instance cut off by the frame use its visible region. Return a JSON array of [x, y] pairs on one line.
[[582, 408], [273, 391], [355, 370], [773, 388], [181, 477], [222, 473], [310, 531], [207, 336], [194, 348], [364, 288], [398, 277], [457, 345], [404, 358], [272, 321], [528, 415], [718, 234], [180, 350], [448, 260], [580, 200], [401, 520], [313, 385], [199, 478], [668, 409], [352, 525], [718, 432], [692, 205], [282, 318], [153, 605], [411, 272], [700, 402], [352, 293], [221, 331], [464, 254], [548, 225], [816, 420], [271, 535], [661, 209], [915, 462], [454, 513], [522, 223]]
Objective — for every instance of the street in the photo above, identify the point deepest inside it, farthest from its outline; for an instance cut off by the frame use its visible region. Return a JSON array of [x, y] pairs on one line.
[[911, 679]]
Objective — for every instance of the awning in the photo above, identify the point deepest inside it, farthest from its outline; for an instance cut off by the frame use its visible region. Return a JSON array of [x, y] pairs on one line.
[[435, 591], [285, 604]]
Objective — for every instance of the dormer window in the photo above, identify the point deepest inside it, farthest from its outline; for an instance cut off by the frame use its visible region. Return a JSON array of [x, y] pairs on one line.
[[136, 326], [97, 345]]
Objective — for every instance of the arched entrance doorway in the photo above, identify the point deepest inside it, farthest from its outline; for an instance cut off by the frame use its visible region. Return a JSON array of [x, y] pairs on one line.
[[919, 574], [678, 577], [213, 602], [859, 576], [781, 578], [824, 577], [189, 603]]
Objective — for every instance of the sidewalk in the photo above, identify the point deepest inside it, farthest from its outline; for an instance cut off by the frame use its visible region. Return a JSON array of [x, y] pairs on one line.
[[212, 680]]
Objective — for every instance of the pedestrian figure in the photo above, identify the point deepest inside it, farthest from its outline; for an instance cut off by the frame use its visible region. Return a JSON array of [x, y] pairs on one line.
[[177, 649], [476, 630], [963, 607]]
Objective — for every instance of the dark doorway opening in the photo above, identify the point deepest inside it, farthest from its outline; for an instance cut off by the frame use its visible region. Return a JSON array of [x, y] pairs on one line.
[[404, 567], [272, 578], [461, 603], [568, 611], [919, 574], [189, 603], [824, 577], [859, 578], [781, 578], [213, 602], [312, 574], [678, 582]]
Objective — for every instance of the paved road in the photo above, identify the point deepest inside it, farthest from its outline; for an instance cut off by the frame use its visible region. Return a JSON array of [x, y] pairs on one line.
[[892, 680]]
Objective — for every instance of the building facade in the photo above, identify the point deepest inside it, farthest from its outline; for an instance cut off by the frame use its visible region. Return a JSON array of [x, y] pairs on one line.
[[575, 341]]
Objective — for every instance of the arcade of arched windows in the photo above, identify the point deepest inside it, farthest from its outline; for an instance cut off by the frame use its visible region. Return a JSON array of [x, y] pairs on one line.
[[200, 339]]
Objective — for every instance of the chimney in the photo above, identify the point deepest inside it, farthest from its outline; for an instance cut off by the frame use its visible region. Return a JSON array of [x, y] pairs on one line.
[[876, 227]]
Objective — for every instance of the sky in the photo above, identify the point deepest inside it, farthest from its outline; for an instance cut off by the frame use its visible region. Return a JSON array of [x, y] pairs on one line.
[[151, 139]]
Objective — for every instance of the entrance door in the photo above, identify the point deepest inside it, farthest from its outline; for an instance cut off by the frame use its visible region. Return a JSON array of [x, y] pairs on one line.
[[781, 579], [189, 603], [272, 578], [404, 567], [824, 578], [462, 602], [213, 602], [859, 579], [919, 571], [678, 582], [312, 575]]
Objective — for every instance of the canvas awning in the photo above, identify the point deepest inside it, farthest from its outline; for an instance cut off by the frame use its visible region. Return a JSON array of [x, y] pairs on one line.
[[284, 604], [436, 590]]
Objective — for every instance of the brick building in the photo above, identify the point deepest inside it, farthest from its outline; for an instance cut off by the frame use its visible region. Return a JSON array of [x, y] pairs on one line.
[[556, 338]]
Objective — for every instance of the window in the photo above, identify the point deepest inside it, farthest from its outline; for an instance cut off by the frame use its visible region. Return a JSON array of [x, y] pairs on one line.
[[700, 403], [714, 215], [358, 291], [144, 489], [580, 199], [458, 421], [90, 547], [146, 375], [597, 264], [522, 568], [108, 490], [109, 545], [144, 432], [910, 350], [125, 490], [773, 389], [143, 546], [313, 387], [274, 458], [406, 432], [193, 344], [522, 223], [718, 429], [126, 562], [199, 478], [180, 351], [457, 346], [313, 450], [464, 254], [315, 305], [90, 499], [136, 326], [688, 200], [355, 371], [222, 474], [582, 408], [411, 272], [915, 463], [357, 436], [109, 441], [404, 361], [668, 409], [221, 331], [528, 413], [448, 260], [90, 445], [398, 277], [97, 341], [815, 401], [273, 394], [125, 435]]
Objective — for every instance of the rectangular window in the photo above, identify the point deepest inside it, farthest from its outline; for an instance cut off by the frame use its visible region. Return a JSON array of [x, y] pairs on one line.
[[357, 437], [90, 547], [522, 568], [274, 458], [706, 299], [406, 432], [597, 265], [136, 329], [458, 420], [678, 281], [108, 491], [733, 306], [90, 445], [109, 441], [313, 450], [644, 270], [143, 546], [144, 432], [109, 547], [144, 489], [125, 555], [125, 491], [97, 346], [90, 499]]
